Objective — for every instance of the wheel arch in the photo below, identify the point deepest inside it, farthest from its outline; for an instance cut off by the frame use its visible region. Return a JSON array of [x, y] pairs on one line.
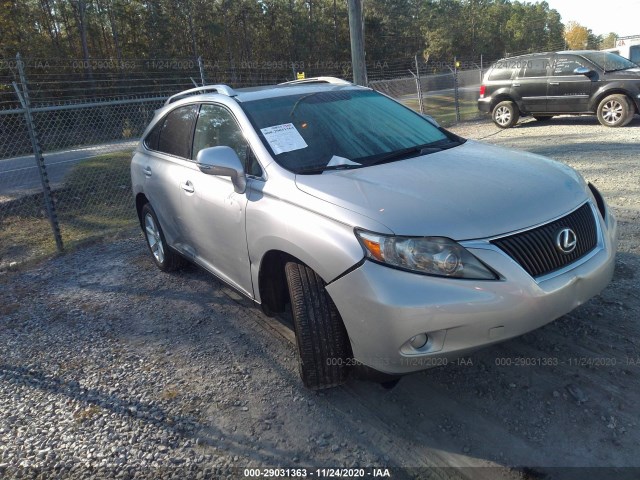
[[141, 201], [504, 96], [272, 283], [616, 90]]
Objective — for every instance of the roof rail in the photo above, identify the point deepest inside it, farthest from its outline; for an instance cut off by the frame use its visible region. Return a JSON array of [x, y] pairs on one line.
[[222, 89], [332, 80]]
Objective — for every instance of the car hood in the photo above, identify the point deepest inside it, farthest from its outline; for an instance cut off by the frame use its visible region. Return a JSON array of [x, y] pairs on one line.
[[467, 192], [631, 74]]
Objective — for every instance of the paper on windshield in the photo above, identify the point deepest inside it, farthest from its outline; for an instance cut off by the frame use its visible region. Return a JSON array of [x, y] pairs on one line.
[[336, 160], [283, 138]]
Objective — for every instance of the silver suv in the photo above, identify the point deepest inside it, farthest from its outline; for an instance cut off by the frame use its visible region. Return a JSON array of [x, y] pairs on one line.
[[397, 244]]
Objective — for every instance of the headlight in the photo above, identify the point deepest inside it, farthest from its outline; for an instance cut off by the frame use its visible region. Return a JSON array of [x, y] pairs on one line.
[[428, 255]]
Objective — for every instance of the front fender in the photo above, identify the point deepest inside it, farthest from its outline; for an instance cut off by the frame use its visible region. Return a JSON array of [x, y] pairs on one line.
[[313, 236], [630, 89]]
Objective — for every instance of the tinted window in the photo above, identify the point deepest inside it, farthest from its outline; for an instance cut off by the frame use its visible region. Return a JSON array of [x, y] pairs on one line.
[[151, 142], [634, 54], [216, 127], [609, 62], [535, 67], [501, 71], [175, 135], [566, 64]]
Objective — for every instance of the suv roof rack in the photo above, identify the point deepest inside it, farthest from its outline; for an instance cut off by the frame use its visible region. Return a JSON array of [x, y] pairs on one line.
[[332, 80], [222, 89]]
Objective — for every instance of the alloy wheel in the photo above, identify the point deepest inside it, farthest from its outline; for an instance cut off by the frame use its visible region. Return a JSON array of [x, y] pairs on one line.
[[503, 115], [612, 111], [153, 237]]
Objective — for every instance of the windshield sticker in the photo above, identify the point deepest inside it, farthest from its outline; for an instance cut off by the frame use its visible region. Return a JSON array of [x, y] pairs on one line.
[[336, 161], [283, 138]]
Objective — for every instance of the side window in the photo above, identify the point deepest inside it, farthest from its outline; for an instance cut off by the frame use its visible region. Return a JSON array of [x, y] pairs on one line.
[[565, 65], [501, 71], [217, 127], [174, 137], [634, 54], [151, 142], [535, 67]]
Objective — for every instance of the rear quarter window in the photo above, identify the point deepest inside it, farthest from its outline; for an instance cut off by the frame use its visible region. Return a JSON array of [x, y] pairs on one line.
[[173, 133], [501, 71]]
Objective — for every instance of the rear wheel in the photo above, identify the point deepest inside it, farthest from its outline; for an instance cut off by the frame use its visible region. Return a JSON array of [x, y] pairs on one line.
[[165, 259], [615, 111], [505, 114], [323, 345]]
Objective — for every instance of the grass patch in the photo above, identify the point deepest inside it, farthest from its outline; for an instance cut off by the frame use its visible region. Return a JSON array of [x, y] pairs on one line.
[[443, 109], [95, 201]]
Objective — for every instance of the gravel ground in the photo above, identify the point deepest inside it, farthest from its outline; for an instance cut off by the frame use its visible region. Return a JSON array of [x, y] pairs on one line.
[[111, 369]]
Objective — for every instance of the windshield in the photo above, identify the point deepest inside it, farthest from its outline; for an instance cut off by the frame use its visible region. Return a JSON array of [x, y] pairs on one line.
[[313, 132], [609, 62]]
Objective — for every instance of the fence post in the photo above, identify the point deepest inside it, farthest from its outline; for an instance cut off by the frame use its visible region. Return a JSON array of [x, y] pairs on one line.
[[201, 68], [455, 88], [37, 153], [419, 87], [481, 67]]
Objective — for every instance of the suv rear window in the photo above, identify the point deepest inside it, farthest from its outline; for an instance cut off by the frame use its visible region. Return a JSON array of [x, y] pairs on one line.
[[501, 71]]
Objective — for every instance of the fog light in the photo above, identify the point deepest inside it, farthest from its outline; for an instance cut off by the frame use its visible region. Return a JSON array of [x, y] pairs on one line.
[[419, 341]]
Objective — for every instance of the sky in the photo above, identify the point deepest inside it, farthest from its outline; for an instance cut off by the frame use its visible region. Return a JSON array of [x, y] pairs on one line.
[[601, 16]]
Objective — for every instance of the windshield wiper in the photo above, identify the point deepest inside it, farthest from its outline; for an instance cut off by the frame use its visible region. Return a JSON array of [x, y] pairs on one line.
[[424, 149], [315, 170]]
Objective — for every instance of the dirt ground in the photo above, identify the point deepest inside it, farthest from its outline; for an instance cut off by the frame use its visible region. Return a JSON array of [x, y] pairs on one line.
[[224, 379]]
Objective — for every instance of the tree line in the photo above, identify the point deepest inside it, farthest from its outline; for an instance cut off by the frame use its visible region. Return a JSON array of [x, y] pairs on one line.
[[254, 31]]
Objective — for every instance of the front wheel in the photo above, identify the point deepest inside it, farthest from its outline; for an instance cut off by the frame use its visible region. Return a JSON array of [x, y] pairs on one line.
[[165, 259], [324, 350], [505, 114], [615, 111]]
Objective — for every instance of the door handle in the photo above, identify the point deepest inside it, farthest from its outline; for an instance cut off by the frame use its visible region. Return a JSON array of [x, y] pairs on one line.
[[187, 187], [554, 83], [515, 84], [147, 171]]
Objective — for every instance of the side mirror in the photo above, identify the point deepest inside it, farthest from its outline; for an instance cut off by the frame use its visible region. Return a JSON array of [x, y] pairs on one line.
[[223, 161], [583, 71]]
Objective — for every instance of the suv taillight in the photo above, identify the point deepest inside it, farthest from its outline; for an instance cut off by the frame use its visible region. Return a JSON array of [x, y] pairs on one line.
[[483, 88]]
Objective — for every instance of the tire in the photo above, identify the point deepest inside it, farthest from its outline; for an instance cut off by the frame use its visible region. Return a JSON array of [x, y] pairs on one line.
[[505, 114], [615, 111], [543, 118], [323, 343], [163, 256]]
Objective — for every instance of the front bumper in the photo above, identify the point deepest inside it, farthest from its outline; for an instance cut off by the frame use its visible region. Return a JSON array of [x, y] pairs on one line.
[[382, 308]]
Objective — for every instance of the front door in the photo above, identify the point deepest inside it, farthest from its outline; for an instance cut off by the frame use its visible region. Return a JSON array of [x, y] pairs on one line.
[[213, 213], [568, 92]]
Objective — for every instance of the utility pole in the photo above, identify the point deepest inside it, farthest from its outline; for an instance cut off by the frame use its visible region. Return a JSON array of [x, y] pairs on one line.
[[356, 27]]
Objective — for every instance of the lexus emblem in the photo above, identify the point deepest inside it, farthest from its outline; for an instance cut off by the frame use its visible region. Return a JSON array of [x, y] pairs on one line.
[[566, 240]]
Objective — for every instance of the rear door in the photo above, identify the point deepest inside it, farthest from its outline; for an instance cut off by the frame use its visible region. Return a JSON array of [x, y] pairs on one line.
[[168, 147], [531, 83], [568, 92]]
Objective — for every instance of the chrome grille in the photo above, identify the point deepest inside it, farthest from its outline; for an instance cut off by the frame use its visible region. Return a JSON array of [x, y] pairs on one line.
[[536, 250]]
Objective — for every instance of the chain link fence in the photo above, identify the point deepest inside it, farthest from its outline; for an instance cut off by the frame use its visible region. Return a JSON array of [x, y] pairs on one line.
[[68, 128]]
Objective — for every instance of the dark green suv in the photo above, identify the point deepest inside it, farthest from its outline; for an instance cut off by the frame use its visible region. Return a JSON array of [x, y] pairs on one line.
[[574, 82]]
